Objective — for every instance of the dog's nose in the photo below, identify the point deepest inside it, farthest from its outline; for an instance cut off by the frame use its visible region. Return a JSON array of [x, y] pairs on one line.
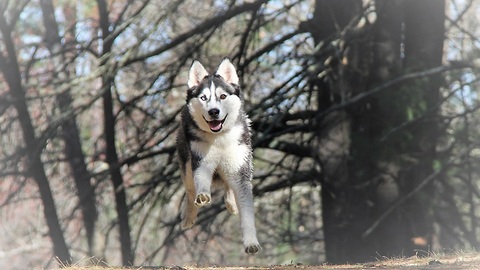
[[214, 113]]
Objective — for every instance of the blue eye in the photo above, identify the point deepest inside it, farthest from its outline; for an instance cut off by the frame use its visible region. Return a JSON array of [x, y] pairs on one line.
[[203, 98]]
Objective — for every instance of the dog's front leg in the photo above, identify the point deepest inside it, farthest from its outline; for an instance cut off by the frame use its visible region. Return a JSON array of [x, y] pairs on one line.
[[202, 178]]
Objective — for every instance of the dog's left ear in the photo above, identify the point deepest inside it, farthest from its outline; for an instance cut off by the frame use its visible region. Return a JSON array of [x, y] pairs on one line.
[[227, 71]]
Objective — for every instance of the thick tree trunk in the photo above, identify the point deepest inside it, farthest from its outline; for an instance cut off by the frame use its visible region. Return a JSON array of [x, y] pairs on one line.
[[424, 36], [366, 174], [330, 18], [373, 166]]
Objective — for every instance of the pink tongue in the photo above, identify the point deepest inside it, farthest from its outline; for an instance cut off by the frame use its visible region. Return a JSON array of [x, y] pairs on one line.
[[215, 125]]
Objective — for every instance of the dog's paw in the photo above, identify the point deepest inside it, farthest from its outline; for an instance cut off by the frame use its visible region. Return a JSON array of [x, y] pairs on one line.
[[252, 249], [202, 199]]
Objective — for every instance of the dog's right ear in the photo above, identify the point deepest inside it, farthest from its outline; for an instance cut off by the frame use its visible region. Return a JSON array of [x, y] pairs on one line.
[[196, 74]]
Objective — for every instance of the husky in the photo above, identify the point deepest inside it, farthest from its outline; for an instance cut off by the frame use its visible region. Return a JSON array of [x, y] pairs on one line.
[[214, 147]]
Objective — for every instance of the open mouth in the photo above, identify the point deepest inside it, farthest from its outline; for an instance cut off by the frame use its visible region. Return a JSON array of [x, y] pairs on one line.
[[216, 125]]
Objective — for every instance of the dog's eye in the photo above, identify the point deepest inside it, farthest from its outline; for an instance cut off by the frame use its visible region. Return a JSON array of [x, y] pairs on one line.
[[223, 96], [203, 98]]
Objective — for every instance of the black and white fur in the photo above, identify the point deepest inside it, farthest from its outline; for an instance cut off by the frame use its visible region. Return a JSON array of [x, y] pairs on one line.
[[214, 147]]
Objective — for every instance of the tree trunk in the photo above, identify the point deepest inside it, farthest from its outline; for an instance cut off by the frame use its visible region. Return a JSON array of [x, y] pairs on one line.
[[424, 36], [10, 68], [70, 133], [366, 174], [374, 165], [330, 18], [111, 152]]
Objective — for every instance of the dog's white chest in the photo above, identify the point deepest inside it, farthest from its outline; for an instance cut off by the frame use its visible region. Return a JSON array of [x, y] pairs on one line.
[[224, 151]]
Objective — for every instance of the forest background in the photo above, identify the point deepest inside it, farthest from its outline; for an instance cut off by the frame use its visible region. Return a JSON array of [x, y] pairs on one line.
[[365, 118]]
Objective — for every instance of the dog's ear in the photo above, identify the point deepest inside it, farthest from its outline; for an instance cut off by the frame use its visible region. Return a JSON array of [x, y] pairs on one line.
[[196, 74], [227, 71]]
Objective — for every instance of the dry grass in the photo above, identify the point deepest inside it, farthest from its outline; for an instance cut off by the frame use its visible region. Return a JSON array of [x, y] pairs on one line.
[[459, 260]]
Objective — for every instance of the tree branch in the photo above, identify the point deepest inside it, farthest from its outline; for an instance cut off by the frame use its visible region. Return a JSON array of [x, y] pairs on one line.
[[201, 28]]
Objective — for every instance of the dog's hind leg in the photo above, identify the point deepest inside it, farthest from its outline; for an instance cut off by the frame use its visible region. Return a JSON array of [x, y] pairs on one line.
[[230, 203], [242, 188], [190, 210]]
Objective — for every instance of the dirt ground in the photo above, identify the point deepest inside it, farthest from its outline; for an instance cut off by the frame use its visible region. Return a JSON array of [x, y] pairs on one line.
[[450, 262]]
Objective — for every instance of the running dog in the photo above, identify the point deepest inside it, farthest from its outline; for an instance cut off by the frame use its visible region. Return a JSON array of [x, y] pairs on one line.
[[214, 147]]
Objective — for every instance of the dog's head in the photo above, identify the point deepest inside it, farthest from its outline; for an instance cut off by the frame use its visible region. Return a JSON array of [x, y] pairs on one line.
[[213, 100]]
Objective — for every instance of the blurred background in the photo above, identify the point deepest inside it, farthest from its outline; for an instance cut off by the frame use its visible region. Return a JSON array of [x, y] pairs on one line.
[[365, 118]]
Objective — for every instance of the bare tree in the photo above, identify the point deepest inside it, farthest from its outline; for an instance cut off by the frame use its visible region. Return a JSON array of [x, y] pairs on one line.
[[70, 132], [359, 126], [33, 145]]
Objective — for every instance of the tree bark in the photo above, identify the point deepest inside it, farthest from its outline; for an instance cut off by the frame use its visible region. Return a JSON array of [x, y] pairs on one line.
[[363, 174], [330, 19], [11, 70], [70, 132], [424, 38], [111, 152], [373, 166]]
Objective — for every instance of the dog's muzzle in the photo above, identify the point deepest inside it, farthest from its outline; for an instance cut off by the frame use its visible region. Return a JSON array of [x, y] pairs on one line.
[[216, 125]]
